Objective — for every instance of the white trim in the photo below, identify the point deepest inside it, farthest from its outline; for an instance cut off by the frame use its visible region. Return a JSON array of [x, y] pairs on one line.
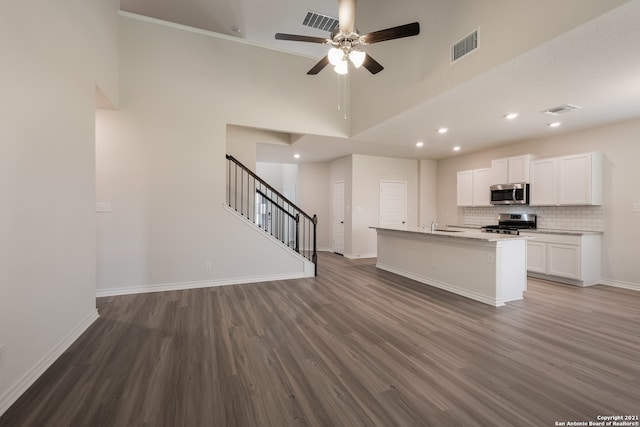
[[164, 287], [324, 250], [360, 256], [208, 33], [621, 284], [16, 390], [445, 286]]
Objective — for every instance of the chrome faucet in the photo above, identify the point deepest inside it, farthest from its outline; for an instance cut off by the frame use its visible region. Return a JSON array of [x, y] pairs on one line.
[[433, 226]]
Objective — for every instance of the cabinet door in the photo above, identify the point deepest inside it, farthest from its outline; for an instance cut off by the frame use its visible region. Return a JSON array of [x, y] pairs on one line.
[[543, 182], [537, 257], [518, 170], [499, 171], [481, 192], [575, 180], [563, 260], [465, 188]]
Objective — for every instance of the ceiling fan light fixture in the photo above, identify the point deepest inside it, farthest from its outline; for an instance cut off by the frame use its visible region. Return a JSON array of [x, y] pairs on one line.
[[357, 57], [342, 67], [335, 56]]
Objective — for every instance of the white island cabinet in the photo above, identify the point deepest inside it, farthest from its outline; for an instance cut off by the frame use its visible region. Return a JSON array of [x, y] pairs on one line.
[[486, 267]]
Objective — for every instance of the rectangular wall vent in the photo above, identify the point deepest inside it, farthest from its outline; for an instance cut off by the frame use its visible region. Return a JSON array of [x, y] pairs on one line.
[[464, 46], [321, 22], [561, 109]]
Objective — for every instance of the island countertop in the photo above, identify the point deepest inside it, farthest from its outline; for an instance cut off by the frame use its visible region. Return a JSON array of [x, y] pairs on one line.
[[457, 233]]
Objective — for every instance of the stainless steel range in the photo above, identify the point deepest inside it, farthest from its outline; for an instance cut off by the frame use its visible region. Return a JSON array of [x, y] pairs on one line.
[[512, 223]]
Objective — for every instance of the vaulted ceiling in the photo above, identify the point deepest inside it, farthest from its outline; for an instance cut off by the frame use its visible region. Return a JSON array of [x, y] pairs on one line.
[[594, 65]]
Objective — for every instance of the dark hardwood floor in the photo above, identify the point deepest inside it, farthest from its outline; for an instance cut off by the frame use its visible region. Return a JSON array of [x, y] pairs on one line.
[[355, 346]]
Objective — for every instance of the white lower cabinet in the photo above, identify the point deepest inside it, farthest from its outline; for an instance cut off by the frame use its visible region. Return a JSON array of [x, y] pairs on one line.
[[564, 260], [536, 256], [573, 259]]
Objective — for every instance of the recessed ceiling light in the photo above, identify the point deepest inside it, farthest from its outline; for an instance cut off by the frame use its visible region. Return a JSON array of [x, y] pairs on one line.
[[511, 116], [419, 144], [443, 130], [296, 156], [554, 124], [456, 148]]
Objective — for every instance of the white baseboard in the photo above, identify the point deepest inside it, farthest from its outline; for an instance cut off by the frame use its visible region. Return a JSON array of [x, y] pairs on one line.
[[14, 392], [201, 284], [621, 284], [324, 250], [444, 286], [360, 256]]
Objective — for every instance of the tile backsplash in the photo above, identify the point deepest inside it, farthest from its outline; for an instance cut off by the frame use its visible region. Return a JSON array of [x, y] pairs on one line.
[[586, 218]]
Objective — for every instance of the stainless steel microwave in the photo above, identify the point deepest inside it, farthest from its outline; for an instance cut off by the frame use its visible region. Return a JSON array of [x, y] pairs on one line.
[[510, 194]]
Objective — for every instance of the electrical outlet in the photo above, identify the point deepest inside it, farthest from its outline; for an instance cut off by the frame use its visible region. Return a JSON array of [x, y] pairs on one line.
[[434, 263], [635, 207], [207, 265], [3, 349], [490, 258]]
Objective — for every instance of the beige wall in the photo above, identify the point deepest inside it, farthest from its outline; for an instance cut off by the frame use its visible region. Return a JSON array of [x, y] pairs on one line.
[[428, 191], [162, 154], [368, 171], [619, 144], [410, 78], [53, 58], [314, 197]]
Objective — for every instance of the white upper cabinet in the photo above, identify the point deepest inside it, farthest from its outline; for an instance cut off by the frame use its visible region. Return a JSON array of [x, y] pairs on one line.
[[481, 184], [542, 191], [473, 187], [499, 171], [465, 188], [510, 170], [581, 179], [568, 180]]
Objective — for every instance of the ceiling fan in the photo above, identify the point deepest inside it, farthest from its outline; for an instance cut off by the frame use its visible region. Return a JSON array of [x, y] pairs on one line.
[[345, 42]]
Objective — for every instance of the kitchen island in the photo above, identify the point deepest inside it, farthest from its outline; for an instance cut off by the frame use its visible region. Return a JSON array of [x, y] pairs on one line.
[[486, 267]]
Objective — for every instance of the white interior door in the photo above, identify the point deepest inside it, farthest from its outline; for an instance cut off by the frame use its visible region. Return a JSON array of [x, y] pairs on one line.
[[338, 217], [393, 204]]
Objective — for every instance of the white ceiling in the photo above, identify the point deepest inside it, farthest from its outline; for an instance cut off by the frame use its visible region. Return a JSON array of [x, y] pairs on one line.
[[595, 66]]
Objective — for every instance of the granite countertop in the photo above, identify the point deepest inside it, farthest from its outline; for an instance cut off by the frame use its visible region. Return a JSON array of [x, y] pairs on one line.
[[471, 234], [539, 230], [564, 232]]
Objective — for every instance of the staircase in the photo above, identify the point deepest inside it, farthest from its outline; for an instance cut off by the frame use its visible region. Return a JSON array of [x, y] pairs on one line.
[[251, 197]]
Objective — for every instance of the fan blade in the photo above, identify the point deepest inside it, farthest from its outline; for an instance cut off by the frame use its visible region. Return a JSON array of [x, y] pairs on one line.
[[297, 38], [319, 66], [399, 32], [372, 65], [347, 16]]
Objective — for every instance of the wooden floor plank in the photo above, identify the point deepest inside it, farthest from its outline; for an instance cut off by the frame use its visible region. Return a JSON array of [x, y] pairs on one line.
[[354, 346]]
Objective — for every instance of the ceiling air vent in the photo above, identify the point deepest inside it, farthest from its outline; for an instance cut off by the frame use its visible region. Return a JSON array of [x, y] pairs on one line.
[[464, 46], [321, 22], [561, 109]]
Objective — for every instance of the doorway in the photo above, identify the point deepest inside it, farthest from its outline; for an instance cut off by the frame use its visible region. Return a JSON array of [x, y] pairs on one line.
[[393, 204], [338, 217]]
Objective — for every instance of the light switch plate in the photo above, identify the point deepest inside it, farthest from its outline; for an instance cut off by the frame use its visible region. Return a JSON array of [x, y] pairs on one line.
[[103, 207]]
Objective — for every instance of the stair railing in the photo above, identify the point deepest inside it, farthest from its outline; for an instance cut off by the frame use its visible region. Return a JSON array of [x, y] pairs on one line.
[[267, 208]]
